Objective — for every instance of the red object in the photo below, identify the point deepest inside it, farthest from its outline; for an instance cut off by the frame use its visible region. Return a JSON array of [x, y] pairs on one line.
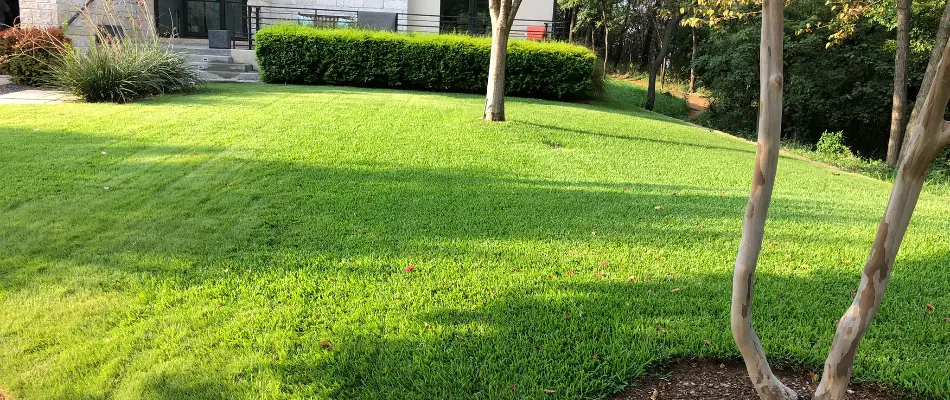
[[536, 32]]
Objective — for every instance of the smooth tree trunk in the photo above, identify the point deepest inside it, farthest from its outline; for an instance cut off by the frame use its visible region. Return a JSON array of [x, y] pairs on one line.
[[606, 39], [899, 104], [943, 34], [766, 384], [930, 136], [692, 65], [658, 60], [502, 16]]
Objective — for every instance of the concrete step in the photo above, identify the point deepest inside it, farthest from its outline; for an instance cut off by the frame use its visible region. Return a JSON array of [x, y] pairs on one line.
[[203, 58], [248, 77], [221, 67], [204, 52]]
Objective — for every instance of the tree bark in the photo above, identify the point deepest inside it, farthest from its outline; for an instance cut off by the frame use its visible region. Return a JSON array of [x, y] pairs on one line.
[[648, 37], [692, 65], [655, 65], [930, 135], [766, 384], [943, 33], [573, 19], [899, 105], [606, 38], [663, 73], [502, 16], [621, 46]]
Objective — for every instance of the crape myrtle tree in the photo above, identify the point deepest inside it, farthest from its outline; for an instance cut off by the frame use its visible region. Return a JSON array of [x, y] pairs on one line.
[[502, 14], [929, 135]]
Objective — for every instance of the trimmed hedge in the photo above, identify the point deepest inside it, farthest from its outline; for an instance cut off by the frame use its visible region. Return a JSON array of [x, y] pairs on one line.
[[444, 63]]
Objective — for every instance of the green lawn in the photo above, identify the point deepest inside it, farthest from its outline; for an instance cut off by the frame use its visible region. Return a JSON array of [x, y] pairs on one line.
[[252, 242]]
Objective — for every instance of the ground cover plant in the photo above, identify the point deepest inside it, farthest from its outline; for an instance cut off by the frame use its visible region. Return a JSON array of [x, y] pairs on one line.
[[325, 242]]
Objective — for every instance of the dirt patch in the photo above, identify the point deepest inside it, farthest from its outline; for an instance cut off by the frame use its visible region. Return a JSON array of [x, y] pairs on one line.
[[697, 104], [729, 380]]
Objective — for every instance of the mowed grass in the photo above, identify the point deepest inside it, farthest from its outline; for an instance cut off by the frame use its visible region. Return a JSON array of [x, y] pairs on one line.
[[253, 242]]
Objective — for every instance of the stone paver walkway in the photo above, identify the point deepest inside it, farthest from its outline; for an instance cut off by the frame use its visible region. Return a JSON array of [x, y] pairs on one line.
[[35, 96], [14, 94]]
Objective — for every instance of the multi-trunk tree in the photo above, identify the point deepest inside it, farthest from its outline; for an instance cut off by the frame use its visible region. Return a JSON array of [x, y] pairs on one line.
[[929, 135], [502, 14]]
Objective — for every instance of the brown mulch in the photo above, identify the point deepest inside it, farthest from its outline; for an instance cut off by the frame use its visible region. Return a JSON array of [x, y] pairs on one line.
[[729, 380], [13, 88]]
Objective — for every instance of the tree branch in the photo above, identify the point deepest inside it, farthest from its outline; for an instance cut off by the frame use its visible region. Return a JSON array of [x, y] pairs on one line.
[[513, 12], [945, 134], [494, 11]]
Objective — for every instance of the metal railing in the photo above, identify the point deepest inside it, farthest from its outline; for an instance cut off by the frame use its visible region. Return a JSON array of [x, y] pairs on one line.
[[257, 17]]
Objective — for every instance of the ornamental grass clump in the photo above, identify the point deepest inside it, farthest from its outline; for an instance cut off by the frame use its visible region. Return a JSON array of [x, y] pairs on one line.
[[122, 66]]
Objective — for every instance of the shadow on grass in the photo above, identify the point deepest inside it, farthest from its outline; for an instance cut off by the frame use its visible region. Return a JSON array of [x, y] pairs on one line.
[[212, 204], [582, 334], [239, 93], [635, 138], [583, 339]]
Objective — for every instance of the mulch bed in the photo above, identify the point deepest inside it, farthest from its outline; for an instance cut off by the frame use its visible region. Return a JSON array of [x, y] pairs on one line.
[[729, 380], [12, 88]]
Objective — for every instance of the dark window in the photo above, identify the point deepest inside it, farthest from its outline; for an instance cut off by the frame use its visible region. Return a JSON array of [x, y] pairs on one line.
[[465, 16]]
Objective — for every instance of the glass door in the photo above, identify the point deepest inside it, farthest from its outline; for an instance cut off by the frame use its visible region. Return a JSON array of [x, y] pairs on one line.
[[200, 16]]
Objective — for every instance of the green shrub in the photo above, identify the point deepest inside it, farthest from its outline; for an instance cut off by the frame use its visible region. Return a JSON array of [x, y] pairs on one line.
[[445, 63], [26, 53], [832, 144], [122, 71]]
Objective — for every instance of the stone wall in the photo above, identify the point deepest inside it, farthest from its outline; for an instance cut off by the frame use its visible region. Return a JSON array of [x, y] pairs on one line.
[[39, 13], [54, 13]]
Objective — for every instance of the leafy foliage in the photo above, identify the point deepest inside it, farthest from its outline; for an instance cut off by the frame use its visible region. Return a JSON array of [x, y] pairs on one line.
[[843, 88], [445, 63], [831, 144], [832, 150], [26, 53]]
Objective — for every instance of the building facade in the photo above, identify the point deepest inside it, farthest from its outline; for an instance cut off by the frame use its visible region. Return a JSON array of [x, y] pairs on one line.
[[194, 18]]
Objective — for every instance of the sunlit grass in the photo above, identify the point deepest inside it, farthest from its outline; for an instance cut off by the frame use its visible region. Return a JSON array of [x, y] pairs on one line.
[[253, 241]]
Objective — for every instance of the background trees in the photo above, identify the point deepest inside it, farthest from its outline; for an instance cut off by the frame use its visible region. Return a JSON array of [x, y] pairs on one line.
[[839, 61]]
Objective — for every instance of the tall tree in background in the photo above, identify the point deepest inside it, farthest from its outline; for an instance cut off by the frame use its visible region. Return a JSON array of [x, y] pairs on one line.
[[943, 34], [692, 62], [502, 16], [672, 22], [899, 107]]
